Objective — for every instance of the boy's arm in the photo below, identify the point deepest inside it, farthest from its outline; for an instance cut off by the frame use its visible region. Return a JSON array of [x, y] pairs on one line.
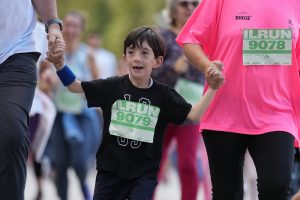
[[68, 79], [200, 107], [75, 86], [65, 74]]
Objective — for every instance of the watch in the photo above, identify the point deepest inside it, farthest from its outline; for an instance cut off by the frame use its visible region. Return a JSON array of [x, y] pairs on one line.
[[53, 21]]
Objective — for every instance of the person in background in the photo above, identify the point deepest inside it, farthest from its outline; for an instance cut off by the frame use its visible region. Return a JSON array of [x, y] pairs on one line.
[[122, 68], [188, 81], [43, 111], [76, 131], [41, 121], [105, 60], [18, 57], [257, 108]]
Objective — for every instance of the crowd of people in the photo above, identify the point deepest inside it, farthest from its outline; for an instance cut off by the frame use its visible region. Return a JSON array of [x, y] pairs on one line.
[[215, 88]]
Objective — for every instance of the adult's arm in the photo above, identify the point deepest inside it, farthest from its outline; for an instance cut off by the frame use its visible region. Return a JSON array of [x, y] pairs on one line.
[[47, 10], [198, 58]]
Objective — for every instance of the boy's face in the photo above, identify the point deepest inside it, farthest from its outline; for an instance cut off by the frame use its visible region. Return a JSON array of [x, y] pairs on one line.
[[141, 61]]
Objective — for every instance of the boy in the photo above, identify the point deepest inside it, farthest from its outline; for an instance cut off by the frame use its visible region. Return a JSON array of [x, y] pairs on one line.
[[136, 111]]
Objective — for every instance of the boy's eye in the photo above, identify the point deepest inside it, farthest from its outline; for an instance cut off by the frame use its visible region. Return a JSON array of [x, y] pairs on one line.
[[145, 52]]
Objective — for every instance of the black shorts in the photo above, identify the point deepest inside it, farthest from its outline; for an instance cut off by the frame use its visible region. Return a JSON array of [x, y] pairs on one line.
[[110, 187]]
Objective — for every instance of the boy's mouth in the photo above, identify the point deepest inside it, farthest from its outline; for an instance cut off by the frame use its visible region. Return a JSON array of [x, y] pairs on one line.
[[137, 67]]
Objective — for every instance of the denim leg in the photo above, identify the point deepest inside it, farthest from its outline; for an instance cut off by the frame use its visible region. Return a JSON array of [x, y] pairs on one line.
[[92, 125], [59, 156], [72, 130]]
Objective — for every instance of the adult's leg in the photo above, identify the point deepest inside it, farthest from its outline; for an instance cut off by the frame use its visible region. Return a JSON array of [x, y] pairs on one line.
[[37, 166], [273, 155], [168, 136], [17, 86], [226, 152], [188, 138], [33, 125]]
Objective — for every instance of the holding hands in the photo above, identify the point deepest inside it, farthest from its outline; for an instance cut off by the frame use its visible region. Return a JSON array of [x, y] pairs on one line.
[[56, 46], [56, 53], [214, 76]]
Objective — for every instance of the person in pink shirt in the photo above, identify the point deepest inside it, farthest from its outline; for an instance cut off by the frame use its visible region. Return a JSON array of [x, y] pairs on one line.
[[258, 106]]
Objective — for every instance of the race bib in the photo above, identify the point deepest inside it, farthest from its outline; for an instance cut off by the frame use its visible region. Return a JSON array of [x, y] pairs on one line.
[[133, 120], [267, 47], [189, 90]]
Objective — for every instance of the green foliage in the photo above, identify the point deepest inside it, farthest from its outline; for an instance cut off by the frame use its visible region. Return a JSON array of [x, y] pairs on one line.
[[113, 19]]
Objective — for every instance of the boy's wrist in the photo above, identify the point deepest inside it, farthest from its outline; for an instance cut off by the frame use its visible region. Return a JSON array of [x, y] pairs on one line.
[[59, 67], [66, 75]]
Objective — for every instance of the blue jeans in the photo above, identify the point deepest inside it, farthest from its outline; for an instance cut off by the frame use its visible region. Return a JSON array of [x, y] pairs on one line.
[[17, 86], [65, 154]]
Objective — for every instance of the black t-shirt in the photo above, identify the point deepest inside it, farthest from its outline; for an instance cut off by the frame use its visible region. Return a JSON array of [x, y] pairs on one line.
[[124, 157]]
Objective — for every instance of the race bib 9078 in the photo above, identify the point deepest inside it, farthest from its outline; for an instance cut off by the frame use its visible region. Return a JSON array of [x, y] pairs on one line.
[[267, 47]]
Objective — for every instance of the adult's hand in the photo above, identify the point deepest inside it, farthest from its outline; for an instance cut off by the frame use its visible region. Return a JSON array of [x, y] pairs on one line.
[[56, 53], [215, 80], [54, 33]]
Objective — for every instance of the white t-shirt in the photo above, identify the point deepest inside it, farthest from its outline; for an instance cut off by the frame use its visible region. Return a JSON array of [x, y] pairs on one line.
[[17, 22], [107, 63], [40, 38]]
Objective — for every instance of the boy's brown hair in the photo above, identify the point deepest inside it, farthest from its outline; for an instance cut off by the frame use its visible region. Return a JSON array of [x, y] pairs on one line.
[[137, 36]]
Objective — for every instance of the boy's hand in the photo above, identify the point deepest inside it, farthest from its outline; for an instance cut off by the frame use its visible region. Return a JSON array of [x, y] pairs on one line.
[[214, 76], [56, 53]]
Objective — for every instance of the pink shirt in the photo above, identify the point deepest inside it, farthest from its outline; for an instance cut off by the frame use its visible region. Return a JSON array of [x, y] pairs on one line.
[[253, 99]]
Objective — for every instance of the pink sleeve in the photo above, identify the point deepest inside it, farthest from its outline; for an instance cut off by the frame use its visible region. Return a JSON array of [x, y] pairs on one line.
[[201, 27], [298, 52]]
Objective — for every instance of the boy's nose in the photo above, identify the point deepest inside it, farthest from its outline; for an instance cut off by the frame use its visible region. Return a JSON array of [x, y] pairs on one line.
[[137, 57]]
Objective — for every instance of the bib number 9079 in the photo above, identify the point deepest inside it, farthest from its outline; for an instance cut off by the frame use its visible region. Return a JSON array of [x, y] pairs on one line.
[[133, 118]]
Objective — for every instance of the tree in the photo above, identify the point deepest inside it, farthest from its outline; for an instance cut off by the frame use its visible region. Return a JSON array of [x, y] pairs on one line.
[[115, 18]]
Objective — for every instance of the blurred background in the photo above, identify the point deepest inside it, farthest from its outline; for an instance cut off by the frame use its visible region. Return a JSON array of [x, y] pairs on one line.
[[114, 19], [65, 134]]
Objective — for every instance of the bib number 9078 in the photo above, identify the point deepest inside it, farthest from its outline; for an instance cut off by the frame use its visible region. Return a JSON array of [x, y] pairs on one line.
[[263, 44], [267, 47]]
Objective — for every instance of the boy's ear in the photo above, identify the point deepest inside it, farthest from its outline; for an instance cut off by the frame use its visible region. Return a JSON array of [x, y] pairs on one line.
[[159, 61]]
